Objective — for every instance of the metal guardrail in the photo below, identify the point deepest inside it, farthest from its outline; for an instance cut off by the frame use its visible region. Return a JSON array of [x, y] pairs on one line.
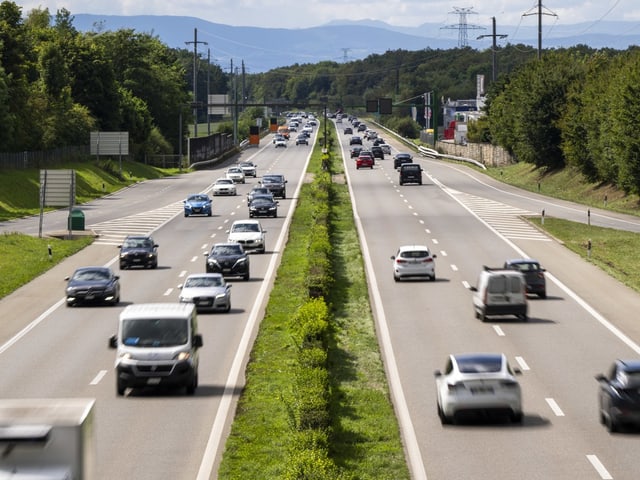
[[429, 152]]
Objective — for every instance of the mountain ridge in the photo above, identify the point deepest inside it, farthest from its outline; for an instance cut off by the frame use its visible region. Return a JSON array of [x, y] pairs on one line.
[[264, 49]]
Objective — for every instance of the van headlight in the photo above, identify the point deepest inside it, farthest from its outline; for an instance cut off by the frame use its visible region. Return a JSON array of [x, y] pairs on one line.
[[182, 356]]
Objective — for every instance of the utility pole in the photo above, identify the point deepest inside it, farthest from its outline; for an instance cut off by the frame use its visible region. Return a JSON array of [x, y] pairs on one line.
[[195, 79], [540, 13], [494, 47], [208, 90]]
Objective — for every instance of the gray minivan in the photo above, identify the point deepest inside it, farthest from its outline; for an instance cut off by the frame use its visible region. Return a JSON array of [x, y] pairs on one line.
[[500, 291], [157, 346]]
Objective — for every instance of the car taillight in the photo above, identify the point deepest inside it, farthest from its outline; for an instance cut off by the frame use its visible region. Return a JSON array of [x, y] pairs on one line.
[[427, 260], [399, 260]]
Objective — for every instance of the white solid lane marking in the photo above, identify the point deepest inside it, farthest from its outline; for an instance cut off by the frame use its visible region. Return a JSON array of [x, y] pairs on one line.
[[555, 407], [454, 267], [597, 464]]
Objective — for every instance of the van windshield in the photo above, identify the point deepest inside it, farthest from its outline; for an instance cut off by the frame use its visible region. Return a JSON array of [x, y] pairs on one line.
[[145, 332]]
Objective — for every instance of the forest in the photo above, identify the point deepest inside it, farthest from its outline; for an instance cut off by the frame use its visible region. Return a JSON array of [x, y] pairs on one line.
[[576, 106]]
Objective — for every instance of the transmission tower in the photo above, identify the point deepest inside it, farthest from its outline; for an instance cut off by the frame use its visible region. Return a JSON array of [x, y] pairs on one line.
[[462, 25], [345, 54]]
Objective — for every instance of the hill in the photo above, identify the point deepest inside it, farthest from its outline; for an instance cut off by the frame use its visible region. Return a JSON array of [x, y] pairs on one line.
[[263, 49]]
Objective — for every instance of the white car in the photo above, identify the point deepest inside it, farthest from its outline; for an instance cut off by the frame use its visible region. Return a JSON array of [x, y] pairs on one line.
[[224, 186], [280, 142], [414, 261], [249, 234], [249, 169], [308, 128], [207, 291], [236, 174], [478, 383], [386, 148]]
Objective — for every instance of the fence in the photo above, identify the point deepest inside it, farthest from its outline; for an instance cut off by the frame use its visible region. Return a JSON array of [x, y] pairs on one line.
[[43, 158]]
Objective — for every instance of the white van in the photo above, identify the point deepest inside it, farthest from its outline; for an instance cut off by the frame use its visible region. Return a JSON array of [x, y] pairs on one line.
[[500, 291], [157, 346]]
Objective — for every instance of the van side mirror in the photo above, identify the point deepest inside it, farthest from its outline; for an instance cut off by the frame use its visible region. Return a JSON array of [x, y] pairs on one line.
[[113, 341], [197, 341]]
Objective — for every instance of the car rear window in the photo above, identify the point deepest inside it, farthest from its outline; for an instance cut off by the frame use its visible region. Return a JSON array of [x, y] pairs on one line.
[[414, 254], [504, 283], [410, 167], [479, 365]]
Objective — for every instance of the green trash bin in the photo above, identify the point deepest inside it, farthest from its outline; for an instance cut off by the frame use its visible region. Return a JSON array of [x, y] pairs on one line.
[[76, 219]]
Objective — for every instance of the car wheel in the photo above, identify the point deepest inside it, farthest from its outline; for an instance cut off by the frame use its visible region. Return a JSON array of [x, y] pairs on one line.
[[517, 417], [481, 316], [246, 277], [120, 388], [523, 317], [209, 214], [542, 294], [611, 424], [123, 266], [433, 277], [155, 265], [396, 278], [191, 387], [186, 215], [228, 309], [444, 420], [275, 214]]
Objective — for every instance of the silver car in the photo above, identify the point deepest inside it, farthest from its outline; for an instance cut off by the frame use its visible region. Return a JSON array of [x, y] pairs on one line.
[[207, 291], [414, 261]]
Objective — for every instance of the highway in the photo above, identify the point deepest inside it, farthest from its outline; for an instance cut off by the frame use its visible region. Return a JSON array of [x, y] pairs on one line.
[[588, 320], [48, 350]]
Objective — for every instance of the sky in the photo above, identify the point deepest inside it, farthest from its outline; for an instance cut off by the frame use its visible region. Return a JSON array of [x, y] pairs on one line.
[[309, 13]]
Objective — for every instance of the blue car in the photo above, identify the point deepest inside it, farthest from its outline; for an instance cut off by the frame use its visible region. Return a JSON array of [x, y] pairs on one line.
[[198, 204]]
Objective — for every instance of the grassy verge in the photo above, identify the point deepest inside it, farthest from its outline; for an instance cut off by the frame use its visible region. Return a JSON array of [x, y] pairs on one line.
[[362, 437]]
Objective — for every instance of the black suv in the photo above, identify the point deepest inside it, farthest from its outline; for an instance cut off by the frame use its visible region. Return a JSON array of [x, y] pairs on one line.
[[401, 158], [377, 152], [276, 184], [533, 275], [410, 173], [138, 251], [229, 259]]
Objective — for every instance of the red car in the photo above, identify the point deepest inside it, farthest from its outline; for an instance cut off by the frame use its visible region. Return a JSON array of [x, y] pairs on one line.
[[364, 160]]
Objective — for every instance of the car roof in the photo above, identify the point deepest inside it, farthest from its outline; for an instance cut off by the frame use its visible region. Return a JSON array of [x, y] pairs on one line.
[[210, 275], [404, 248], [224, 180], [630, 365], [514, 261], [240, 222]]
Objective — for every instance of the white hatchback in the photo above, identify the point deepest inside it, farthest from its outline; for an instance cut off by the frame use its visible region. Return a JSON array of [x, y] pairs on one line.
[[473, 383], [414, 261]]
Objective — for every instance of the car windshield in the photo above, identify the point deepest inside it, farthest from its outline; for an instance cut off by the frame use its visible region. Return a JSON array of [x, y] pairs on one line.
[[234, 170], [261, 201], [227, 250], [479, 364], [165, 332], [138, 243], [203, 282], [245, 227], [270, 180], [91, 275], [198, 198]]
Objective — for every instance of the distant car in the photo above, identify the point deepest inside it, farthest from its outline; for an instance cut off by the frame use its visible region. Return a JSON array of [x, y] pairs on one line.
[[278, 136], [92, 285], [401, 158], [533, 275], [377, 152], [138, 251], [249, 234], [414, 261], [280, 142], [258, 190], [308, 128], [229, 259], [355, 151], [478, 383], [619, 395], [364, 160], [276, 183], [386, 148], [224, 186], [207, 291], [355, 140], [302, 140], [348, 131], [249, 169], [197, 204], [362, 127], [378, 140], [263, 206], [236, 174]]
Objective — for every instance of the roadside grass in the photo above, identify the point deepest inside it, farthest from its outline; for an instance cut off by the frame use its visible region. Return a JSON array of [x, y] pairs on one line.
[[31, 254], [20, 189], [614, 251], [364, 437]]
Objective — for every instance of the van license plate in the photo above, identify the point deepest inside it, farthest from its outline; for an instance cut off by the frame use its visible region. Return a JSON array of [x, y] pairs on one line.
[[153, 381]]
